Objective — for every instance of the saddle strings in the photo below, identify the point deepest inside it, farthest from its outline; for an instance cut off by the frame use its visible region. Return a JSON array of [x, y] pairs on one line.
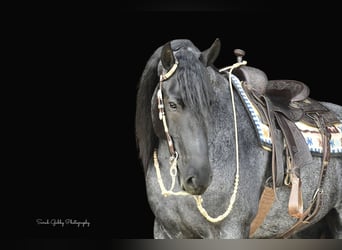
[[174, 158]]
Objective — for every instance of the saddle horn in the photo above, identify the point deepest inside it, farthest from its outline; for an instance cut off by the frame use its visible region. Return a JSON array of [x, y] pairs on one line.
[[209, 55]]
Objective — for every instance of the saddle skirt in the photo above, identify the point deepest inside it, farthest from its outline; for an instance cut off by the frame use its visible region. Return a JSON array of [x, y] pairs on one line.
[[311, 134]]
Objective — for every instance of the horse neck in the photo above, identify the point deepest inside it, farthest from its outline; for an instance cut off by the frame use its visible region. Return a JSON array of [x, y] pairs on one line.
[[222, 138]]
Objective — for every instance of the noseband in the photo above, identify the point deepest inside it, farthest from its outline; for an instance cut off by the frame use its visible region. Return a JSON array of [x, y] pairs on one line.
[[174, 155]]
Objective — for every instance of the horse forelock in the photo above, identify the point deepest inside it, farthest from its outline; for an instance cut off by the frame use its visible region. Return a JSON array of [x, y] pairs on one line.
[[194, 83]]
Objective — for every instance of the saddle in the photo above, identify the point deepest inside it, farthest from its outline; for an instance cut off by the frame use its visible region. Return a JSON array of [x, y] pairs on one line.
[[289, 97], [282, 103]]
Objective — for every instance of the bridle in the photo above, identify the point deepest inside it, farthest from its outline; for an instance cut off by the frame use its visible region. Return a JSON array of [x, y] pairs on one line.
[[174, 154], [162, 117]]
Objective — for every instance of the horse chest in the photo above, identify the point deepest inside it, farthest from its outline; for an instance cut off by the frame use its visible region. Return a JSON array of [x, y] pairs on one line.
[[178, 216]]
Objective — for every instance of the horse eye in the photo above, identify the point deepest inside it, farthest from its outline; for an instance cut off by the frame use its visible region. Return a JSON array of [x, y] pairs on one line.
[[173, 106]]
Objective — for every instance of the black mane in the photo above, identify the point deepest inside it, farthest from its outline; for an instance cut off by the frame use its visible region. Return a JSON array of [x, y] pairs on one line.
[[193, 79], [145, 138]]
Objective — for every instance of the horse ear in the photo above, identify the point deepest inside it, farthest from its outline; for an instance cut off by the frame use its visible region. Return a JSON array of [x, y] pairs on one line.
[[167, 57], [208, 56]]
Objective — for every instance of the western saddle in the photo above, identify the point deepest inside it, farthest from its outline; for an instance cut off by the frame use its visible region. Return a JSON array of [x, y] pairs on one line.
[[282, 103]]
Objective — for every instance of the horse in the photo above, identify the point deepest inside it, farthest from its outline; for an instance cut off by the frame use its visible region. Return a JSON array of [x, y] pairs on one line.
[[204, 167]]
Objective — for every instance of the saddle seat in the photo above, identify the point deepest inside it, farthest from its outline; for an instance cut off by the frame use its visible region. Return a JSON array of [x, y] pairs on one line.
[[287, 90], [284, 90]]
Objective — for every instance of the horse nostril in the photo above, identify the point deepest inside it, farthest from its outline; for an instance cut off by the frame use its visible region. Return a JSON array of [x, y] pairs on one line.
[[191, 182], [195, 184]]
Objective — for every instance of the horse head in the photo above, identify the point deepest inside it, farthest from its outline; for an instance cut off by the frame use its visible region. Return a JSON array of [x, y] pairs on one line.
[[180, 110]]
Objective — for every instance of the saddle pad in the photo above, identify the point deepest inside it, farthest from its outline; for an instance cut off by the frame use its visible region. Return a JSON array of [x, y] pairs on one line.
[[311, 134]]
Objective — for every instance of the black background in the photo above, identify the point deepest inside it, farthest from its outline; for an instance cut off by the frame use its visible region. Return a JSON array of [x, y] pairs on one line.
[[71, 151]]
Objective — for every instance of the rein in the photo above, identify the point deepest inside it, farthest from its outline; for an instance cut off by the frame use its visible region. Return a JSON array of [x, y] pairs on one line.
[[174, 155]]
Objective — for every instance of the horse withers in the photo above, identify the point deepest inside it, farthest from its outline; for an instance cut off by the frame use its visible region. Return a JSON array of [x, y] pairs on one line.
[[206, 167]]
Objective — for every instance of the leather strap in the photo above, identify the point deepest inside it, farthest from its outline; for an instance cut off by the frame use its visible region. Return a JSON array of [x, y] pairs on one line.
[[299, 156], [316, 201], [266, 201], [306, 218], [295, 206], [277, 145]]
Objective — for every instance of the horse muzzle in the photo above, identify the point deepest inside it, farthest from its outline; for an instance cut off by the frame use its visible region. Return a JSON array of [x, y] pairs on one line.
[[197, 183]]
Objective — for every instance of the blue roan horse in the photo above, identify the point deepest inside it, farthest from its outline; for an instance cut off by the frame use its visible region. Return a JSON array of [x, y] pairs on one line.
[[208, 174]]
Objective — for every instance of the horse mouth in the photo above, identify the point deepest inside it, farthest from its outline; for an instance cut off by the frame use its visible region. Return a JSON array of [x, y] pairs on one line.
[[199, 191]]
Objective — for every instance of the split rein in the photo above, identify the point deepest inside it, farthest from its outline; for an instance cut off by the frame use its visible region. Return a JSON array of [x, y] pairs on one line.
[[174, 154]]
